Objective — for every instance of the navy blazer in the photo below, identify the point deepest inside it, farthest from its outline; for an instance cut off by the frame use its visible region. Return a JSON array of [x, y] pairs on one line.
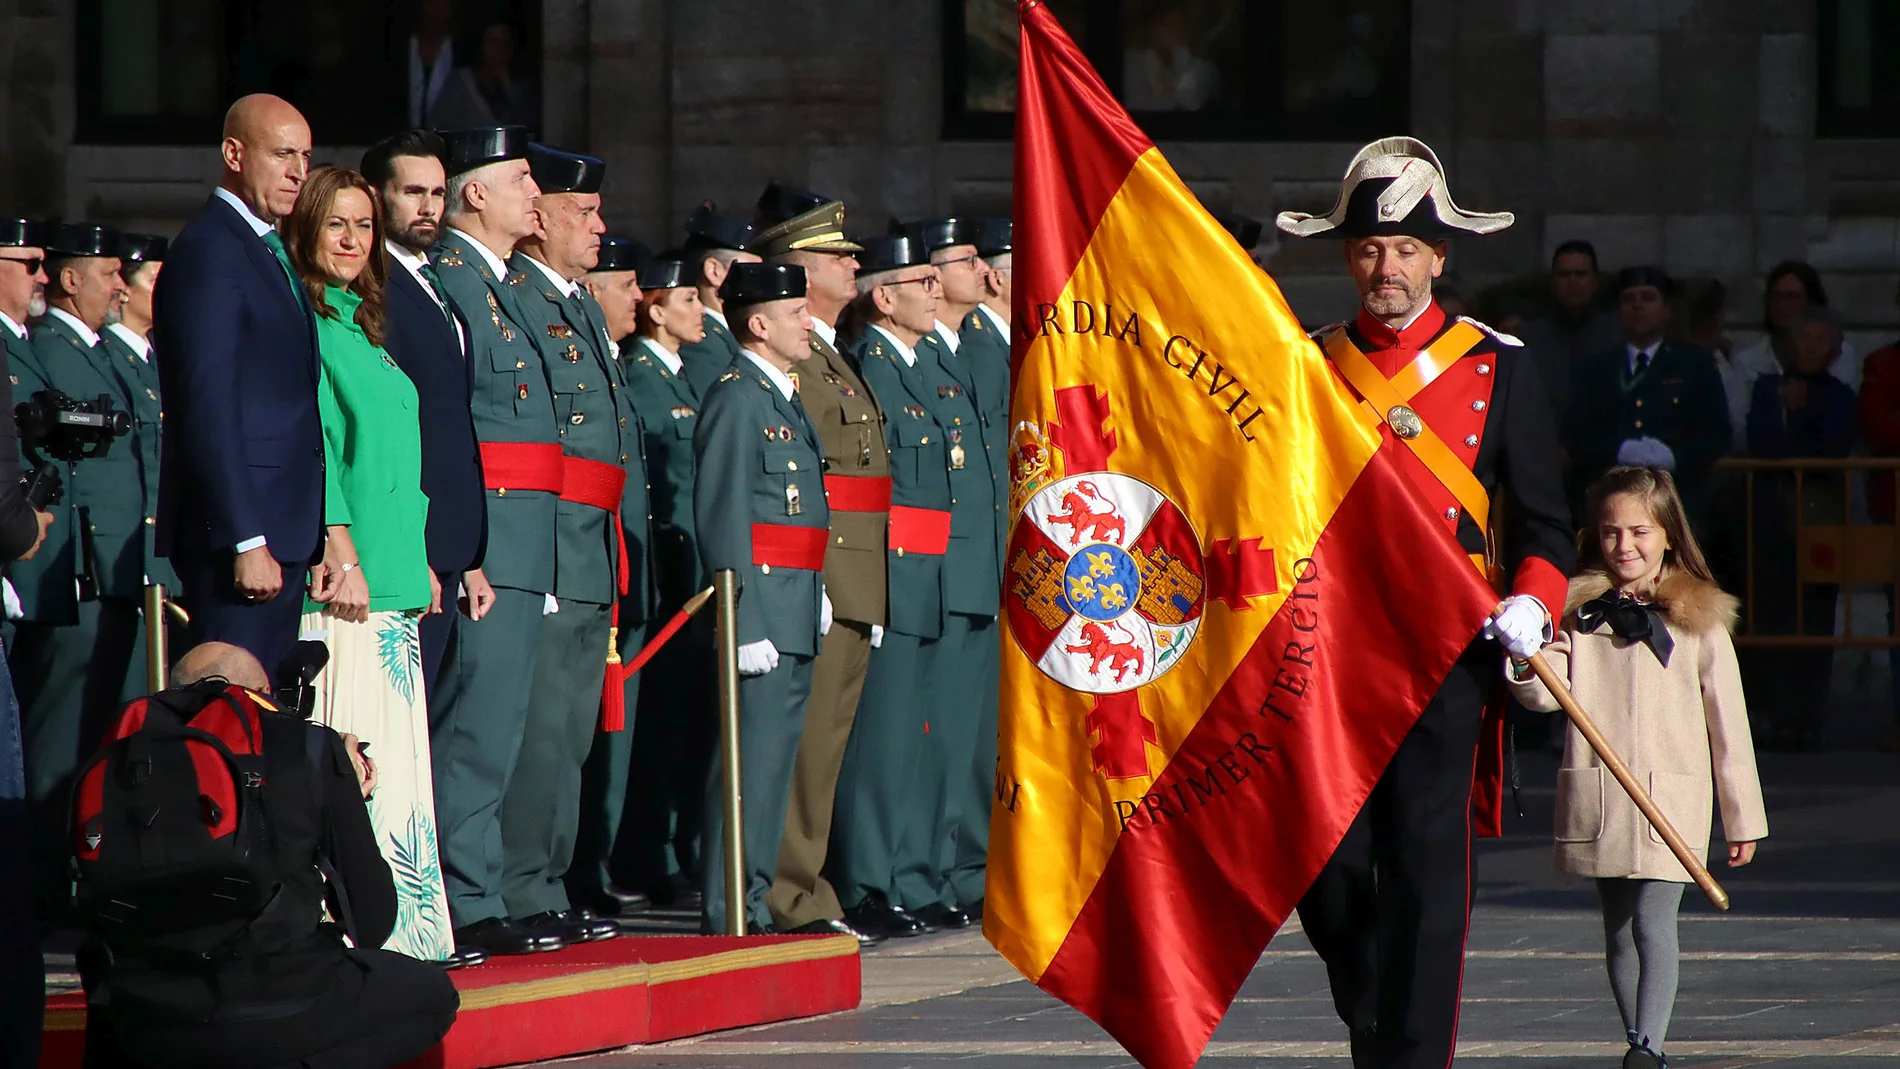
[[242, 451], [423, 343]]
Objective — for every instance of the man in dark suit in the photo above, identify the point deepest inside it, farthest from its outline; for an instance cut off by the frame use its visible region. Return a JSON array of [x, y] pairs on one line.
[[430, 343], [240, 494]]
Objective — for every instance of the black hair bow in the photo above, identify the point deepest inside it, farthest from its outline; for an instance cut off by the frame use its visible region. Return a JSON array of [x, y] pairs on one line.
[[1630, 619]]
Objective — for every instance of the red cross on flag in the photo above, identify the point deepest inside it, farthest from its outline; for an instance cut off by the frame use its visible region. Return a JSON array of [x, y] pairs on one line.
[[1226, 603]]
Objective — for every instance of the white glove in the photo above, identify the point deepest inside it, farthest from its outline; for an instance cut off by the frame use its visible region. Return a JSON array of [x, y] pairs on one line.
[[1633, 452], [824, 612], [1660, 455], [1519, 626], [877, 636], [757, 658], [11, 597]]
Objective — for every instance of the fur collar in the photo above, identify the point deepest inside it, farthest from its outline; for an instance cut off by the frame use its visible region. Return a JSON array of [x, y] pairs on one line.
[[1693, 606]]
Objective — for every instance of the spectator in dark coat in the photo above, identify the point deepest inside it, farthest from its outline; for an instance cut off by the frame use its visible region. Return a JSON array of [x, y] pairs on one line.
[[1578, 328], [1880, 425]]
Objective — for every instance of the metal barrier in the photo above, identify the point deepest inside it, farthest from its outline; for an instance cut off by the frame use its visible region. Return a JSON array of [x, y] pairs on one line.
[[1844, 554]]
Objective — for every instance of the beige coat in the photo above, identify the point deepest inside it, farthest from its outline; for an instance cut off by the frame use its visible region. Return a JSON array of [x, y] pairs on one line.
[[1683, 731]]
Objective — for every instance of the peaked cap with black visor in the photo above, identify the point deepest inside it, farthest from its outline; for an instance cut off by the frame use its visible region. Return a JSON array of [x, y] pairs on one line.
[[1394, 187]]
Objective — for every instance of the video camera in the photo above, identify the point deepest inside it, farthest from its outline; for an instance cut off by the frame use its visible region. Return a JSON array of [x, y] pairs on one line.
[[54, 427], [296, 692]]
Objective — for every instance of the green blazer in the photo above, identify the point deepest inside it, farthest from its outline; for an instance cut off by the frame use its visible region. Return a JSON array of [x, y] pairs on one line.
[[45, 583], [669, 415], [920, 478], [511, 403], [372, 448], [985, 352], [110, 489], [709, 357], [140, 377], [972, 574], [756, 453], [590, 421]]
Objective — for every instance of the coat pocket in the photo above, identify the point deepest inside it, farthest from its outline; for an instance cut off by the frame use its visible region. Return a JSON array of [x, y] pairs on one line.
[[1686, 801], [1579, 805]]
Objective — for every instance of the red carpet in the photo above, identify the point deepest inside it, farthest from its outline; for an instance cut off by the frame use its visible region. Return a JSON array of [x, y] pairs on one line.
[[599, 996]]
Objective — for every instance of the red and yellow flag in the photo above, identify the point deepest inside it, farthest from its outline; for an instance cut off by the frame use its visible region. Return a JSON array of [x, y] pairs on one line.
[[1226, 603]]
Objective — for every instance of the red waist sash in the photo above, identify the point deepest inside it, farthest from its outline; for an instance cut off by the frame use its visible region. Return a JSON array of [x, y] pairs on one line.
[[919, 530], [858, 493], [785, 546]]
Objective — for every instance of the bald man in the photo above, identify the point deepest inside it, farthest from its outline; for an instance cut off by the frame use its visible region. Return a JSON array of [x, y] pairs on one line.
[[221, 660], [240, 490]]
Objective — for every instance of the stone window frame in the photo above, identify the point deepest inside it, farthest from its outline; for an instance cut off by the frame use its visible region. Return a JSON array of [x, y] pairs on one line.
[[1832, 119], [1103, 45]]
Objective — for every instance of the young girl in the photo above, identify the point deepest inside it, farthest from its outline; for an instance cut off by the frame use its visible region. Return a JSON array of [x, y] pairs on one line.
[[1645, 648]]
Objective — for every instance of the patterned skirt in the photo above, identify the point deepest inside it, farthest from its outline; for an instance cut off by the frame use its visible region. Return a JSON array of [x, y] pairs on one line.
[[373, 689]]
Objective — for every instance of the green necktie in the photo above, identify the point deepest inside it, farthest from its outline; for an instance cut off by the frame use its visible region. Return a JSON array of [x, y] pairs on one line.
[[435, 280], [276, 245]]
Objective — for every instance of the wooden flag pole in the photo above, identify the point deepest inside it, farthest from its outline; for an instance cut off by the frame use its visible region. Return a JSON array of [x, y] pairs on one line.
[[1588, 728]]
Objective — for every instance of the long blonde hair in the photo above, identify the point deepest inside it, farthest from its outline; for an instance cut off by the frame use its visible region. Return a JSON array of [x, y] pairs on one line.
[[1656, 489]]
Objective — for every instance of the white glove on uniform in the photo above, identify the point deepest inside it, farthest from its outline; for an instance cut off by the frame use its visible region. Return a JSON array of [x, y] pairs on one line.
[[1519, 626], [757, 658], [824, 612], [877, 636]]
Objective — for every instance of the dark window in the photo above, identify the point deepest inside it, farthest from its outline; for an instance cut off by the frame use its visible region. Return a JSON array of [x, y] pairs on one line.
[[1858, 53], [164, 71], [1206, 70]]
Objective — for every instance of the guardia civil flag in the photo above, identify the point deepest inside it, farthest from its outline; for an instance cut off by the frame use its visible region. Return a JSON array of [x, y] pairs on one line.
[[1225, 601]]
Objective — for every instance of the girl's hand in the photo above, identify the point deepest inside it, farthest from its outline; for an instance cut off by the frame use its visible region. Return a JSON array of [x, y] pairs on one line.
[[1740, 854]]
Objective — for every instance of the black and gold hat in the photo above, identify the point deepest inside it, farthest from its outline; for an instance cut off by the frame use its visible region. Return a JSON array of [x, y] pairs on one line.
[[142, 248], [892, 252], [815, 223], [81, 239], [756, 283], [559, 171], [17, 233], [618, 252], [706, 228], [665, 272], [1394, 186], [934, 234], [465, 150], [990, 236]]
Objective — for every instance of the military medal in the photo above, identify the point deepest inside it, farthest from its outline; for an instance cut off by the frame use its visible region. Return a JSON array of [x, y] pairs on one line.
[[1405, 422], [494, 313], [560, 331], [792, 507], [956, 450], [573, 355]]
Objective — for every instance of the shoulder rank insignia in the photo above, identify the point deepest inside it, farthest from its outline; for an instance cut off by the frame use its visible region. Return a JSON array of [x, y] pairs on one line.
[[448, 259], [494, 313], [730, 376], [560, 330], [793, 375], [517, 279]]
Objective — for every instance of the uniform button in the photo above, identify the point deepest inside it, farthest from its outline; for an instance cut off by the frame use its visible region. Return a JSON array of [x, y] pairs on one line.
[[926, 441], [841, 540], [501, 491], [1471, 441], [519, 364], [623, 421], [1484, 369], [953, 501], [1639, 424], [623, 458], [1451, 514], [1477, 406], [580, 386], [791, 465], [1639, 402], [577, 418], [862, 416], [149, 521], [900, 551], [765, 569]]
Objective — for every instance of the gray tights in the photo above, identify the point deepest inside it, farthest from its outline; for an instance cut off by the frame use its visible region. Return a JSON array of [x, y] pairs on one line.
[[1639, 930]]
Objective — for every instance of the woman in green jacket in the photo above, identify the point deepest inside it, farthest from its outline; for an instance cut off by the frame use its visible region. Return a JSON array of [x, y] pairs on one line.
[[374, 582]]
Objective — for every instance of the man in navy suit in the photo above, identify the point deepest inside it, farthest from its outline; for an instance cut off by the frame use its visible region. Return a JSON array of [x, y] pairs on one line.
[[430, 343], [240, 491]]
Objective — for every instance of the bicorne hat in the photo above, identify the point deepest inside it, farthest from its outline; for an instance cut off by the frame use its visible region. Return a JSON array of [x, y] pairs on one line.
[[1394, 186]]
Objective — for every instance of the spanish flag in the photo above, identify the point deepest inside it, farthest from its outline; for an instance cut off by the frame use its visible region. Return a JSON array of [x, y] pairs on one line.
[[1226, 602]]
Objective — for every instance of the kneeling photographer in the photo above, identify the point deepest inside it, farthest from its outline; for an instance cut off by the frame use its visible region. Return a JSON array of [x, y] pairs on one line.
[[224, 957]]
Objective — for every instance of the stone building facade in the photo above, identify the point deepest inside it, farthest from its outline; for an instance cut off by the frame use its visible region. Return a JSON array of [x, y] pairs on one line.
[[1673, 131]]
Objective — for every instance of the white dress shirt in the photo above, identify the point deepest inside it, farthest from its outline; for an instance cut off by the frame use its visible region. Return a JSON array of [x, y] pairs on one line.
[[84, 331], [826, 331], [949, 337], [258, 226], [568, 289], [779, 378], [905, 351], [140, 343], [413, 264], [8, 322], [670, 361], [995, 320], [720, 318], [487, 254], [1642, 355]]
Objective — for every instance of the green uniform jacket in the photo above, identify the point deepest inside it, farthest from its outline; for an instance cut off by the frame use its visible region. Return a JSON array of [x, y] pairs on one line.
[[757, 455], [986, 351], [372, 442], [920, 478], [971, 570], [587, 412], [510, 402], [709, 357], [110, 488], [851, 432], [45, 583], [669, 415], [140, 377]]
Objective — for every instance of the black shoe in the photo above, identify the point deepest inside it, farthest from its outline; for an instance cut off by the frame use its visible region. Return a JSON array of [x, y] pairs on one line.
[[675, 892], [938, 915], [611, 902], [498, 935], [975, 911], [461, 956], [1641, 1057], [832, 927], [874, 916], [575, 926]]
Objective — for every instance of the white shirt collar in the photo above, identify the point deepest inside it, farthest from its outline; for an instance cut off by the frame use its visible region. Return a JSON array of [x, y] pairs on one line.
[[905, 351], [673, 363], [72, 321], [949, 336], [8, 322], [825, 330], [1634, 352], [140, 343], [258, 226], [487, 254], [779, 378], [720, 318], [410, 260], [567, 288], [995, 320]]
